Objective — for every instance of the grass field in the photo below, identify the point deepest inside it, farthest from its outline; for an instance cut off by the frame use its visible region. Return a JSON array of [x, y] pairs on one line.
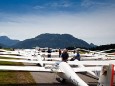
[[7, 58], [17, 78]]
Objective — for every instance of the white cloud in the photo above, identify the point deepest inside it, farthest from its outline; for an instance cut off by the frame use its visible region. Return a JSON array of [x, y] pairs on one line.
[[62, 4], [54, 5], [38, 7]]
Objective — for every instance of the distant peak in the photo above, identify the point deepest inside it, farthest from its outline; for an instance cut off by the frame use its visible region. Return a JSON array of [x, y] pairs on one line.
[[49, 34], [5, 37]]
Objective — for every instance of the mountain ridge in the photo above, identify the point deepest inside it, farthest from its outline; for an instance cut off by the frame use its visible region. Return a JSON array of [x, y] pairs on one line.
[[52, 41], [5, 40]]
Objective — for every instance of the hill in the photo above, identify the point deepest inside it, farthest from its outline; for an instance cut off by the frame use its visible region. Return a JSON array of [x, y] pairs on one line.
[[7, 41], [52, 41]]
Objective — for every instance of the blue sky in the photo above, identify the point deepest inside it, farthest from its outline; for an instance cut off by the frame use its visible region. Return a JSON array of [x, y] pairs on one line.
[[90, 20]]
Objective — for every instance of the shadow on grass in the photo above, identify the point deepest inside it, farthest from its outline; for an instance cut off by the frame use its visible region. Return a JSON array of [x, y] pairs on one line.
[[46, 84], [37, 84]]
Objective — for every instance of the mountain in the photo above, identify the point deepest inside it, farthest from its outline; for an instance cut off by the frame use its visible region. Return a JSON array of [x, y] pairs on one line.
[[7, 41], [52, 41], [2, 46]]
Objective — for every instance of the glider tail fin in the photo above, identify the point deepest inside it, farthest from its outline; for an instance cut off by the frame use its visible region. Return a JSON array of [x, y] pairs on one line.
[[106, 76]]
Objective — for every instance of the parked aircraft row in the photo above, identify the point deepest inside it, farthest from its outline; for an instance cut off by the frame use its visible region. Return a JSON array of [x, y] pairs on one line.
[[84, 56]]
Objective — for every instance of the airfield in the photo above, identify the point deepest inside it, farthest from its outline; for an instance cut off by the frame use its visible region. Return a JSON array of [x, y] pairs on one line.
[[52, 79], [49, 79]]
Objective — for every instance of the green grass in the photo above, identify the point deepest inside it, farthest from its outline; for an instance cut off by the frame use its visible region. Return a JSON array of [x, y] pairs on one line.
[[8, 63], [2, 57], [13, 77]]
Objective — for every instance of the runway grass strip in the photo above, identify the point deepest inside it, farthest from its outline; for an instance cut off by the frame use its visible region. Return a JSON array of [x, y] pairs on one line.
[[8, 77]]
